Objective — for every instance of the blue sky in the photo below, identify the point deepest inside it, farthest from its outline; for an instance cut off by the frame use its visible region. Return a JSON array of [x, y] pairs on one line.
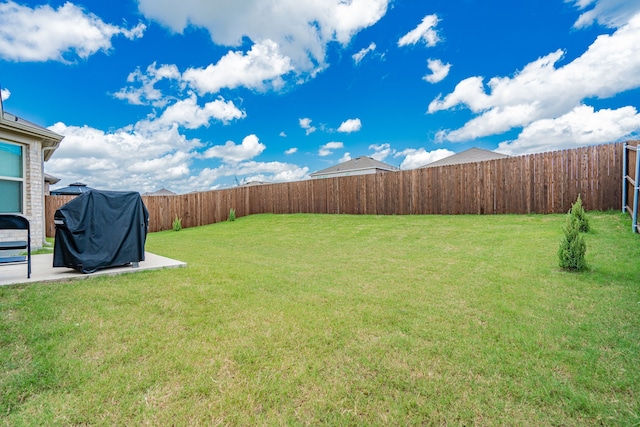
[[197, 95]]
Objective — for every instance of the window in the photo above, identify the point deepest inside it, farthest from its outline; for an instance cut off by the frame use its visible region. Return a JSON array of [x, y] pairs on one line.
[[11, 178]]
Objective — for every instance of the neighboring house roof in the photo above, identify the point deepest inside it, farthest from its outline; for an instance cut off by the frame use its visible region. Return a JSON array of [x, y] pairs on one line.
[[50, 140], [50, 179], [161, 192], [252, 183], [471, 155], [357, 164], [72, 190]]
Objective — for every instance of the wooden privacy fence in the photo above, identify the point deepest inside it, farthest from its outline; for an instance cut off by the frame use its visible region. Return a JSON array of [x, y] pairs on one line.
[[535, 183]]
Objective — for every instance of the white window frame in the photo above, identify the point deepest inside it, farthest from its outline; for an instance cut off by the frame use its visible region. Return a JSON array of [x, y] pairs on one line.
[[23, 154]]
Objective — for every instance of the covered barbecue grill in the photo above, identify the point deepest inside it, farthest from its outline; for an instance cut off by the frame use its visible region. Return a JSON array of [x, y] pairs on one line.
[[100, 229]]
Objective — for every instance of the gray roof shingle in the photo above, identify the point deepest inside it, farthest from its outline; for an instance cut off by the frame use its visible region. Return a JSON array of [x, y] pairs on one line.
[[359, 163]]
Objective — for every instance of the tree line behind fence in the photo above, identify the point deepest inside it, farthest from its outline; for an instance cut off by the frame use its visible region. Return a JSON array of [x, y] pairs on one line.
[[535, 183]]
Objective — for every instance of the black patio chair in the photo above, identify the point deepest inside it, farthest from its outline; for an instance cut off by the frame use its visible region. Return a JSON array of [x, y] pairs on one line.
[[16, 222]]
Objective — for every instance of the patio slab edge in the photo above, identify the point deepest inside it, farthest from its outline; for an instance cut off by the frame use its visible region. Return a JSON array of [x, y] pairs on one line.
[[42, 270]]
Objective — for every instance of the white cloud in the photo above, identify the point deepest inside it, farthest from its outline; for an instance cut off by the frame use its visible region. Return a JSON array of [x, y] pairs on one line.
[[581, 126], [495, 121], [122, 159], [280, 171], [5, 94], [305, 124], [152, 153], [609, 13], [611, 65], [232, 153], [249, 171], [147, 93], [345, 157], [120, 145], [282, 134], [350, 125], [204, 180], [469, 92], [175, 165], [359, 56], [291, 173], [290, 151], [415, 158], [44, 33], [259, 69], [302, 28], [327, 149], [381, 151], [188, 114], [425, 32], [438, 71]]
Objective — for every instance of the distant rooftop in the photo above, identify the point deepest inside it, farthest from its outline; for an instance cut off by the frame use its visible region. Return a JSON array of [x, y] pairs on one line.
[[471, 155], [161, 192], [359, 163], [71, 190]]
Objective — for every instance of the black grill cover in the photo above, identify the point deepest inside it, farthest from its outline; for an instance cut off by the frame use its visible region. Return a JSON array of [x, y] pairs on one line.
[[100, 229]]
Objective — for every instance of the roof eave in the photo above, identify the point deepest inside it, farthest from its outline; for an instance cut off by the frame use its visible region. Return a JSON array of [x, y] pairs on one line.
[[30, 130], [50, 140]]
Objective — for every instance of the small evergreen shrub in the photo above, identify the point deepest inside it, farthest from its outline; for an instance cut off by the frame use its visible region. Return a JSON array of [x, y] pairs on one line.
[[572, 247], [177, 224], [232, 214], [579, 215]]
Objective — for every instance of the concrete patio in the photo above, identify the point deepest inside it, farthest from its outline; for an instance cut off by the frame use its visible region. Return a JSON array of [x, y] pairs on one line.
[[42, 269]]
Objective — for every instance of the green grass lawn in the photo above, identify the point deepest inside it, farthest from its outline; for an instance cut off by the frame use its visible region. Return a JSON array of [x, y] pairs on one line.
[[338, 320]]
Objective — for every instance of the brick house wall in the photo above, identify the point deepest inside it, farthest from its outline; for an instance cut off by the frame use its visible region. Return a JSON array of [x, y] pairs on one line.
[[33, 203], [38, 144]]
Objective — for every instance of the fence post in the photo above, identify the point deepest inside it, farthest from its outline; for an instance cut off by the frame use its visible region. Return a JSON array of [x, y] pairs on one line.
[[625, 157], [636, 190]]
